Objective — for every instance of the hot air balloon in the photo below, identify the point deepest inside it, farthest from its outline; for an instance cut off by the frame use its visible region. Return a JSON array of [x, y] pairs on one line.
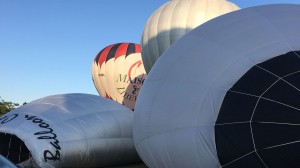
[[118, 73], [174, 19], [68, 130], [226, 94]]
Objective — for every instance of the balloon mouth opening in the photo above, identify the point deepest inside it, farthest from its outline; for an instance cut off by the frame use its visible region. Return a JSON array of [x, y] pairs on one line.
[[13, 148]]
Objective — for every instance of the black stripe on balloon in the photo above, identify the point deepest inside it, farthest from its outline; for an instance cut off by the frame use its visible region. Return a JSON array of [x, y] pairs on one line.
[[131, 49], [258, 123], [98, 56], [112, 52]]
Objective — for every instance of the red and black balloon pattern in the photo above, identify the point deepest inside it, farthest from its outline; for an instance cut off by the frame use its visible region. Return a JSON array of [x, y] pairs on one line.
[[118, 73]]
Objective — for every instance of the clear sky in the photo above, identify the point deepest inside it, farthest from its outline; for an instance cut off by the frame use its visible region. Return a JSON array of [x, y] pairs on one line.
[[47, 46]]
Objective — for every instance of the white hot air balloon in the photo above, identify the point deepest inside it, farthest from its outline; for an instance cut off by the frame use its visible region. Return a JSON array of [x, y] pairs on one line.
[[118, 73], [226, 94], [69, 130], [174, 19]]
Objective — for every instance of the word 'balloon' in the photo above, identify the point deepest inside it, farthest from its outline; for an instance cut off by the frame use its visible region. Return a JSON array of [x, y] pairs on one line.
[[69, 130]]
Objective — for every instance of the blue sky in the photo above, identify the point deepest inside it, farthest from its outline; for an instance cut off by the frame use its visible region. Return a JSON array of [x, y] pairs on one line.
[[47, 47]]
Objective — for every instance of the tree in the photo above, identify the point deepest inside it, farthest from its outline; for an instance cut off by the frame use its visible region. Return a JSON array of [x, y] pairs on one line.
[[6, 106]]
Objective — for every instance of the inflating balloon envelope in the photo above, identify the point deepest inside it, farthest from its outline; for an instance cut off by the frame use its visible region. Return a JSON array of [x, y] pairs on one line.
[[70, 130], [227, 94]]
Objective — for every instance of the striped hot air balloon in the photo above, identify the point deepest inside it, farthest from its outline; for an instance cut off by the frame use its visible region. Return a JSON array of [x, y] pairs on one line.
[[118, 73]]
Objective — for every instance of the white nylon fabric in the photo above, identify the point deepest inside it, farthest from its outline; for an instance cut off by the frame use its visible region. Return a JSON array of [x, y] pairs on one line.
[[98, 79], [174, 19], [181, 98], [86, 130]]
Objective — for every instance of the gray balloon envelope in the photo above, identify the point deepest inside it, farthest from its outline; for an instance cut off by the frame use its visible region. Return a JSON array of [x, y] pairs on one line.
[[226, 94], [69, 130]]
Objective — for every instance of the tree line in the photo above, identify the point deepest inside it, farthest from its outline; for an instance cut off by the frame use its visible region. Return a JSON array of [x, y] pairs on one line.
[[6, 106]]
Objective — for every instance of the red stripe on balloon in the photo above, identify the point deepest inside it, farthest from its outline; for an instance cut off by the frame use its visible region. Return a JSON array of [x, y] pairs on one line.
[[137, 48], [121, 50], [104, 54], [106, 95]]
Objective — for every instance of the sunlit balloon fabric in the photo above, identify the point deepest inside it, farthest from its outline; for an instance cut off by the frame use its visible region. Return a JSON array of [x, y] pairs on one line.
[[69, 130], [227, 94], [118, 73], [174, 19]]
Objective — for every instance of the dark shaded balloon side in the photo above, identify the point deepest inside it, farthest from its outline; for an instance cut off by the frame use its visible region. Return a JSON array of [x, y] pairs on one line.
[[259, 117]]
